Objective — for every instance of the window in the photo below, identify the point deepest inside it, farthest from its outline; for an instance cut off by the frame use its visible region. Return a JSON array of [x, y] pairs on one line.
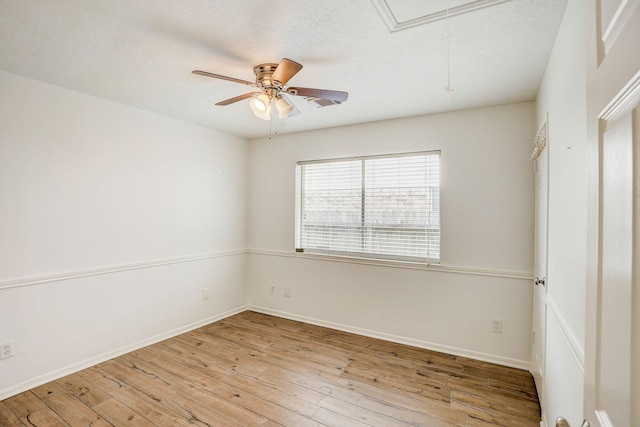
[[378, 206]]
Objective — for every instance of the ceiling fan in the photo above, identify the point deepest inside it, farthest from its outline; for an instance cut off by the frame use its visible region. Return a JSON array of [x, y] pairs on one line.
[[271, 82]]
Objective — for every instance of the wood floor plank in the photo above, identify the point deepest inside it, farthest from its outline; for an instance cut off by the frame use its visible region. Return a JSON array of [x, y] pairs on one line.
[[159, 414], [8, 418], [298, 341], [223, 406], [185, 371], [311, 380], [224, 345], [83, 389], [278, 322], [481, 411], [282, 396], [221, 355], [198, 412], [414, 373], [289, 388], [120, 415], [333, 419], [154, 389], [364, 415], [198, 386], [46, 418], [70, 409], [407, 383], [164, 394], [283, 412], [204, 358], [501, 395], [25, 403], [32, 411], [103, 380], [423, 414], [252, 369], [495, 406]]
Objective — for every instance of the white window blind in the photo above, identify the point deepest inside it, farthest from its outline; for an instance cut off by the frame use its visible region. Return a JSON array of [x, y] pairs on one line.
[[378, 206]]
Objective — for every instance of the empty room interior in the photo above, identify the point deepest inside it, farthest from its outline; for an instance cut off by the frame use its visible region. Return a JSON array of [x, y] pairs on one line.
[[337, 213]]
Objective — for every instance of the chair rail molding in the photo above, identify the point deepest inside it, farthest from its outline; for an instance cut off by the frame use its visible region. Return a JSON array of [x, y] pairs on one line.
[[522, 275], [38, 280]]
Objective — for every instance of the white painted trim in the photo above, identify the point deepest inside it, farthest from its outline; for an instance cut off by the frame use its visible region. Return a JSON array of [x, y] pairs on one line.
[[38, 280], [574, 345], [75, 367], [397, 264], [385, 12], [617, 23], [604, 419], [485, 357], [627, 97]]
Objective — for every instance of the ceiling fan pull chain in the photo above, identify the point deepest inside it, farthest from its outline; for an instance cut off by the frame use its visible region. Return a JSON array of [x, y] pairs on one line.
[[271, 131], [277, 120], [448, 88]]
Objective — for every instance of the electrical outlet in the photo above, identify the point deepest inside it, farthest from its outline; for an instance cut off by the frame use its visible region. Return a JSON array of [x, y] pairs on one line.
[[273, 289], [6, 350], [205, 294], [496, 326]]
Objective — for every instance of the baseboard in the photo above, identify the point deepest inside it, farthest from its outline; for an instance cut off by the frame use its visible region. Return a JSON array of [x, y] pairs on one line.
[[75, 367], [491, 358]]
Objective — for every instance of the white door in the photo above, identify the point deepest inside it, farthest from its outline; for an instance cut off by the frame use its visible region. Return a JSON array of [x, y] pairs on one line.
[[612, 350], [538, 336]]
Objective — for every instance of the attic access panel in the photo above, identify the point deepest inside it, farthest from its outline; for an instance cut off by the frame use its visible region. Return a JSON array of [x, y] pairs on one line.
[[406, 10], [403, 14]]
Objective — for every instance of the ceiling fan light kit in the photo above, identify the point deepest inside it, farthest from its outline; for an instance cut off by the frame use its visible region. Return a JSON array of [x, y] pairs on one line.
[[271, 81], [284, 108], [261, 106]]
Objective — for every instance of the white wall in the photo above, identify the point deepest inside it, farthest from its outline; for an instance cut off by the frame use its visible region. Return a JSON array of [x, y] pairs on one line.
[[112, 222], [487, 231], [562, 97]]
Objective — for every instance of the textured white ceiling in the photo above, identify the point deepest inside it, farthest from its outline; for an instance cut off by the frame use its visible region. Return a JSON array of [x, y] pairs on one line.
[[141, 53]]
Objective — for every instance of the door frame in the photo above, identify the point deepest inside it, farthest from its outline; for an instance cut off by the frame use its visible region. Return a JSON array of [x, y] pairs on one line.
[[613, 89], [538, 340]]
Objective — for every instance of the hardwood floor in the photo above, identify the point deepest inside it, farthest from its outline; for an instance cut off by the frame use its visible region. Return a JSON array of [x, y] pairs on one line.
[[257, 370]]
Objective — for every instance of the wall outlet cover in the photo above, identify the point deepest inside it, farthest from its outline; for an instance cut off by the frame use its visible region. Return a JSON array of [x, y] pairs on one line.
[[6, 350], [496, 326]]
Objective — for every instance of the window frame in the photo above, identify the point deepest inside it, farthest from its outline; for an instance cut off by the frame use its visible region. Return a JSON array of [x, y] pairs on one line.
[[299, 188]]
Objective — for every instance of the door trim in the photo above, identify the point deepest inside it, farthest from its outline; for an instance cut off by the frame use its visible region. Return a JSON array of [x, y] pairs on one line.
[[570, 338], [626, 98]]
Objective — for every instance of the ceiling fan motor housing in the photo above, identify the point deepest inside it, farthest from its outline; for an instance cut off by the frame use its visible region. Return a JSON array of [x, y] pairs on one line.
[[263, 74]]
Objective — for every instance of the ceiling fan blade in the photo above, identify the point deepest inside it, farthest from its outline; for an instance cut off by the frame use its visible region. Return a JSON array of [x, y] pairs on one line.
[[221, 77], [238, 98], [333, 95], [285, 70]]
